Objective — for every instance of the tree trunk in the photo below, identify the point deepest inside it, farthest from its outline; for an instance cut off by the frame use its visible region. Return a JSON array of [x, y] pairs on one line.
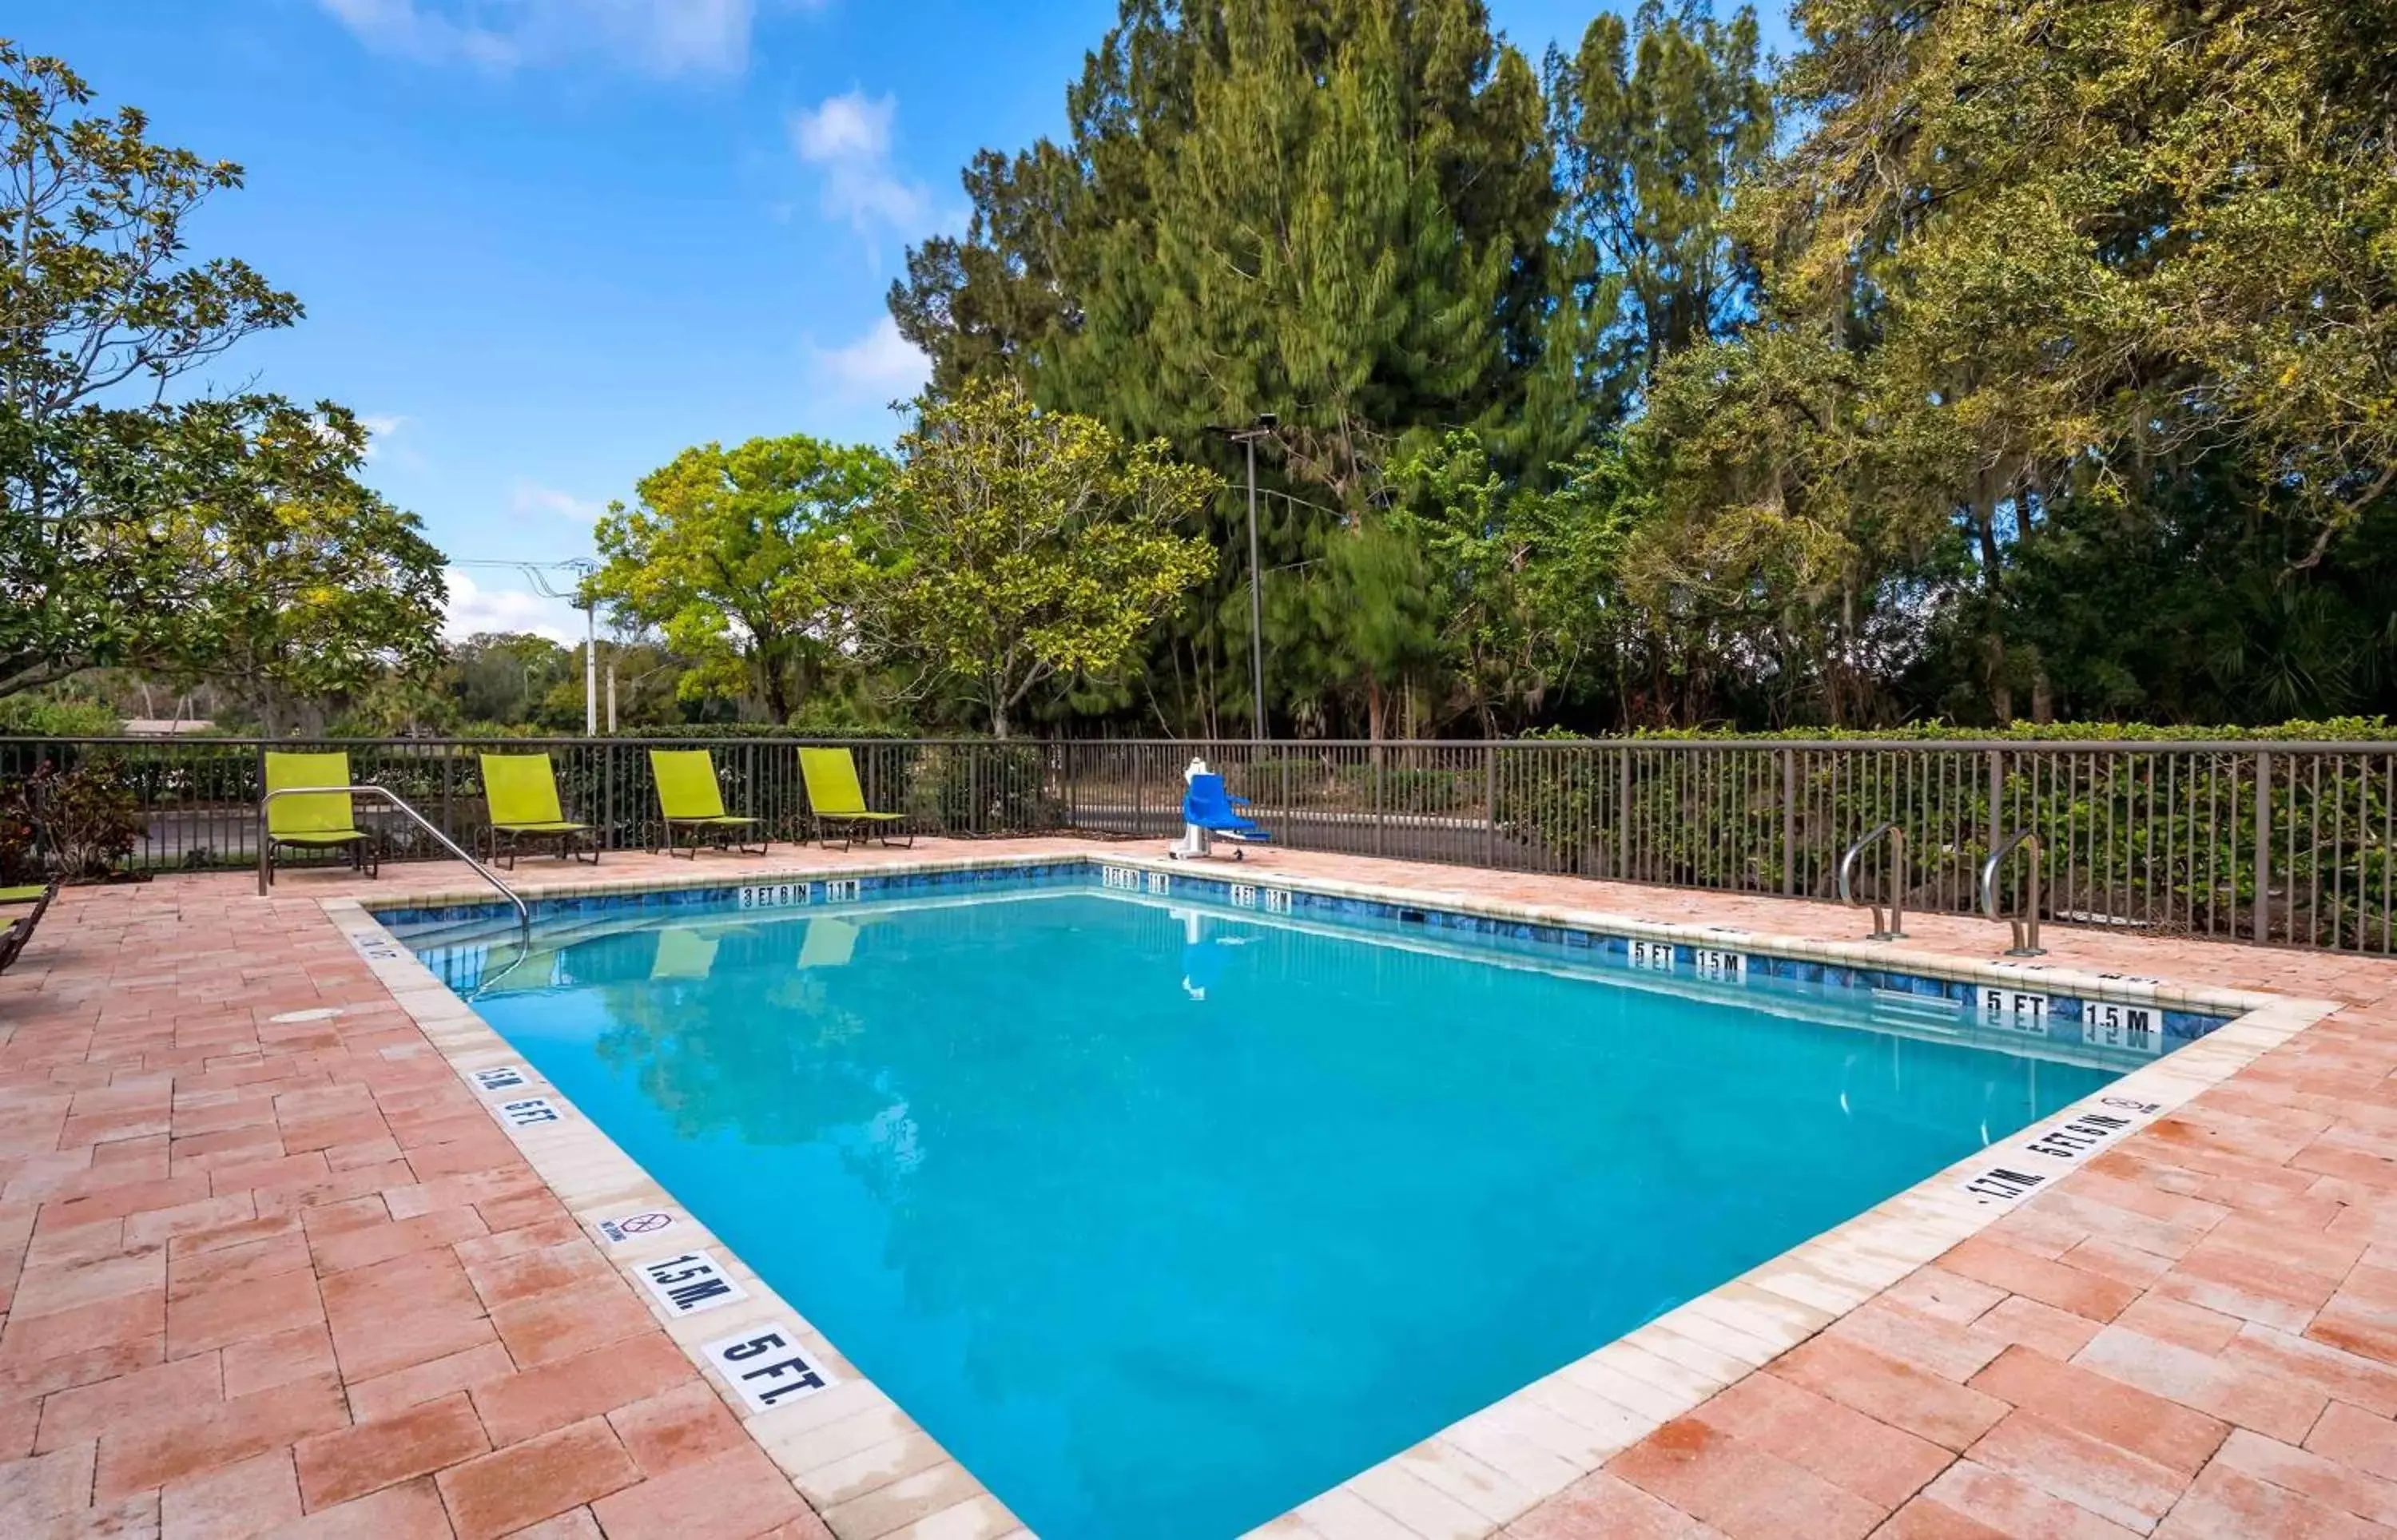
[[773, 686], [1985, 519], [2002, 690]]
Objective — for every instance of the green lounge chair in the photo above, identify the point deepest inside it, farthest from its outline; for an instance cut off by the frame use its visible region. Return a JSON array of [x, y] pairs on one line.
[[325, 822], [828, 944], [836, 801], [522, 791], [690, 799], [683, 953], [13, 940]]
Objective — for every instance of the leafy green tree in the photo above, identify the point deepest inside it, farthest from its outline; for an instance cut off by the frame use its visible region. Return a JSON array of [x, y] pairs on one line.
[[304, 583], [503, 676], [1774, 547], [2030, 264], [224, 538], [1529, 580], [97, 290], [648, 677], [743, 558], [229, 541], [1016, 547]]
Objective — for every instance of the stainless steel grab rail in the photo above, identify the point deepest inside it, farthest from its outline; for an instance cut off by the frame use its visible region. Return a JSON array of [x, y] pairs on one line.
[[2026, 925], [266, 848], [1895, 929]]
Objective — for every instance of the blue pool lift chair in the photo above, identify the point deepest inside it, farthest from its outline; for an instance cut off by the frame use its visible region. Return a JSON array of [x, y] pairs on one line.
[[1208, 810]]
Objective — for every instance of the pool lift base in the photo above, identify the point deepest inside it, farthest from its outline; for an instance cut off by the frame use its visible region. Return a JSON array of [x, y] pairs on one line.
[[1196, 846]]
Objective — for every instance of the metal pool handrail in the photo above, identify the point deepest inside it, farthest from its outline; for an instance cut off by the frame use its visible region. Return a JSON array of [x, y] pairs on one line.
[[265, 846], [1895, 929], [2026, 925]]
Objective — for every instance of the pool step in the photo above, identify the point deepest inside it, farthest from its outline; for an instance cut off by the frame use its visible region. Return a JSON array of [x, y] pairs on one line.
[[1915, 1007]]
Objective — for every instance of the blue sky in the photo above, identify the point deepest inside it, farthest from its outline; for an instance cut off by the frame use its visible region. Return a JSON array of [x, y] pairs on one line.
[[546, 243]]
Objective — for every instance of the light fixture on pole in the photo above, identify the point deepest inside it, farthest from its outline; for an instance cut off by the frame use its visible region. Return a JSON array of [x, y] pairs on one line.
[[537, 574], [1248, 438]]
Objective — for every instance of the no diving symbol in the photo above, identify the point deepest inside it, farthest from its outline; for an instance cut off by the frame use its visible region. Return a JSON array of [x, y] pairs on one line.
[[617, 1231]]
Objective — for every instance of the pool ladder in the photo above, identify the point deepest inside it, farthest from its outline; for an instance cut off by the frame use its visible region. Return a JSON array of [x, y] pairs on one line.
[[2026, 925], [1895, 929], [266, 858]]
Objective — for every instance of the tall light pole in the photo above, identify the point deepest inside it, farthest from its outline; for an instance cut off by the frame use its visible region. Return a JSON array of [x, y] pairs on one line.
[[1248, 438], [591, 669]]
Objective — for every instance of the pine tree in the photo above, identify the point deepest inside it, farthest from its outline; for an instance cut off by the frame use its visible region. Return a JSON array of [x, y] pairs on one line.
[[1332, 210], [1655, 124]]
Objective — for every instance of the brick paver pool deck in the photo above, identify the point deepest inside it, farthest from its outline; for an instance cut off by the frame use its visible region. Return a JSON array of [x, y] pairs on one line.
[[270, 1269]]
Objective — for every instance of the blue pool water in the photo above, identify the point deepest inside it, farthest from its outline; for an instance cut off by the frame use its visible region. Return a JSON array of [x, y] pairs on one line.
[[1165, 1221]]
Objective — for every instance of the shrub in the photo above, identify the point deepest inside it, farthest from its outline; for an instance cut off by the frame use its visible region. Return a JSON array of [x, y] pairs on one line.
[[37, 717], [21, 857], [88, 818], [990, 788]]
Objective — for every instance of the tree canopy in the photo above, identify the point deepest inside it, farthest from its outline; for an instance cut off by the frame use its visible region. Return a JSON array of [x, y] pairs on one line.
[[1020, 546], [1606, 399], [743, 558], [216, 537], [2049, 287], [1980, 360]]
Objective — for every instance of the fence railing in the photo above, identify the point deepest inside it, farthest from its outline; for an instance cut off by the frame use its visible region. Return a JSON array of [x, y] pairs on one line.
[[2279, 841]]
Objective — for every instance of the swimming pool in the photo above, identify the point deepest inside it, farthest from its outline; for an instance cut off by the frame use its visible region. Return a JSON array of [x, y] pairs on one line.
[[1166, 1210]]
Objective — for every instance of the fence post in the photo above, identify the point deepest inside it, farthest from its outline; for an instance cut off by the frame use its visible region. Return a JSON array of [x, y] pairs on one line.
[[1381, 814], [1996, 794], [1789, 821], [2263, 845], [257, 819], [1281, 779], [1490, 804], [607, 795], [1623, 814]]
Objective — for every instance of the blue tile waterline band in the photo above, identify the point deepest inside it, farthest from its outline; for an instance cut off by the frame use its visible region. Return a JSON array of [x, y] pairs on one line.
[[2061, 1015]]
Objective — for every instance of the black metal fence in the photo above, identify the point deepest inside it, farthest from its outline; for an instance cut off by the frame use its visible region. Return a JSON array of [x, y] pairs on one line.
[[2285, 842]]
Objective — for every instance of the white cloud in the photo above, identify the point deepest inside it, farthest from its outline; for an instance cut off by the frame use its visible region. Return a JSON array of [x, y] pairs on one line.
[[527, 501], [880, 366], [379, 430], [846, 128], [476, 608], [849, 137], [659, 37]]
